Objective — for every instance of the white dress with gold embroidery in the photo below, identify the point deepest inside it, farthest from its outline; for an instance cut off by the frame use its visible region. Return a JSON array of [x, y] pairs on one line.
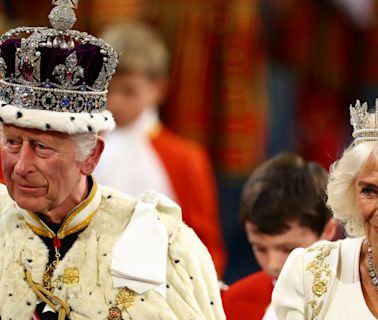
[[322, 283]]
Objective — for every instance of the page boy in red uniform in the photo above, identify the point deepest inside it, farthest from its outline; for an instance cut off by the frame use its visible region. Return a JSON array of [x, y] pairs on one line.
[[282, 207]]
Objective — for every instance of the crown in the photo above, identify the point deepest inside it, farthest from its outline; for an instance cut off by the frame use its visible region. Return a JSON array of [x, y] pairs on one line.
[[364, 122], [56, 78]]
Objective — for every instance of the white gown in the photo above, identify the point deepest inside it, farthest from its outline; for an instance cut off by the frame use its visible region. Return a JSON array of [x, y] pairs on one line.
[[338, 290]]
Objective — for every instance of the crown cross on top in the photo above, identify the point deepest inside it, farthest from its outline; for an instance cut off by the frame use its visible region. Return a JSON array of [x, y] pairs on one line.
[[62, 17], [66, 3]]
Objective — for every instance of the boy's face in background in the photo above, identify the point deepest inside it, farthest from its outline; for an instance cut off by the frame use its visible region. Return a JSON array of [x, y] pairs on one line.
[[132, 93], [271, 251]]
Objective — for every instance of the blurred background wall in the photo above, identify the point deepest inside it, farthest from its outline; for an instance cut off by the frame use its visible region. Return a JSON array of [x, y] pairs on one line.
[[249, 78]]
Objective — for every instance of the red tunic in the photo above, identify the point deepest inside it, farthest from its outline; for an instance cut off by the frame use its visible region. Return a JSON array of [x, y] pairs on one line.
[[190, 173], [248, 298]]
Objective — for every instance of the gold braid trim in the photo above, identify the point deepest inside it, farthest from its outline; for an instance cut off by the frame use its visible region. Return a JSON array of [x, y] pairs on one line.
[[47, 297]]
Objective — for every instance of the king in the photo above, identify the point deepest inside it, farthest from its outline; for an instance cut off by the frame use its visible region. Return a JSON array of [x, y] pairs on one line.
[[70, 248]]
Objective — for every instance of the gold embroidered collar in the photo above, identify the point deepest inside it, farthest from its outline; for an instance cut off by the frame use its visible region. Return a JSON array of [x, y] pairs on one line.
[[77, 219]]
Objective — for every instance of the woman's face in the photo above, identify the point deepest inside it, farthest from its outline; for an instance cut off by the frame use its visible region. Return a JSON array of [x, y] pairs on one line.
[[367, 199]]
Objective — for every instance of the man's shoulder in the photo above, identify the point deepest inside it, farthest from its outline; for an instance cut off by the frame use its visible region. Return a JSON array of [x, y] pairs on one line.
[[183, 244], [118, 198], [121, 207], [118, 203]]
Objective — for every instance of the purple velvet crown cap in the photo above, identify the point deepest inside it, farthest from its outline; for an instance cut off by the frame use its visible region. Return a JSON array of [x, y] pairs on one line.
[[88, 55], [56, 78]]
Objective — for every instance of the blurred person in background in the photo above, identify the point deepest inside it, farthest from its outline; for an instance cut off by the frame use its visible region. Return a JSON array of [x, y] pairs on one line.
[[141, 152], [282, 207], [321, 53]]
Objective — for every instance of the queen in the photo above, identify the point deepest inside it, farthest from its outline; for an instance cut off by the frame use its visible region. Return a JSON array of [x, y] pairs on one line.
[[339, 280]]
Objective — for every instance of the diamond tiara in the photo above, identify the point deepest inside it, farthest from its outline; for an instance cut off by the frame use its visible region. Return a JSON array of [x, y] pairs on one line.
[[364, 122]]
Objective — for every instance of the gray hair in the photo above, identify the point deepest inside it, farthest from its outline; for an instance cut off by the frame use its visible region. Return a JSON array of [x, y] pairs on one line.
[[341, 186], [85, 143]]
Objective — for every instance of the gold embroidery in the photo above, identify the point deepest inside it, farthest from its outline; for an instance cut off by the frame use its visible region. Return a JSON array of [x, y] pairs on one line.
[[315, 308], [322, 276], [71, 276], [125, 298], [319, 287]]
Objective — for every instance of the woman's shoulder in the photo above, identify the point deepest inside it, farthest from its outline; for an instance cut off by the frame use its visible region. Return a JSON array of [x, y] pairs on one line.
[[327, 250], [308, 276], [321, 252], [318, 263], [299, 258]]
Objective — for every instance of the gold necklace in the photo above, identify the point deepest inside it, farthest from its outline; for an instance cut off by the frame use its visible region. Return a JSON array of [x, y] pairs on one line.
[[47, 275]]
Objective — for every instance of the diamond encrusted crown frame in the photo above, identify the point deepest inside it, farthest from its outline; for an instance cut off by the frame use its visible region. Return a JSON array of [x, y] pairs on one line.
[[364, 122], [66, 91]]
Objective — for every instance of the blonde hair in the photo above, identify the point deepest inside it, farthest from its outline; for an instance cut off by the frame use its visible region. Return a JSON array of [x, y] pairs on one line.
[[140, 48], [341, 186]]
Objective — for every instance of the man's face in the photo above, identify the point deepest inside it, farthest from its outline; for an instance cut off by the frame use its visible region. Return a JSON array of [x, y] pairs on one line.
[[271, 251], [40, 169], [130, 94]]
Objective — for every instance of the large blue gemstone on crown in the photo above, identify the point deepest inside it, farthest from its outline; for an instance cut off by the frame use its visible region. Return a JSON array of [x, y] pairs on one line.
[[90, 104], [65, 102]]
